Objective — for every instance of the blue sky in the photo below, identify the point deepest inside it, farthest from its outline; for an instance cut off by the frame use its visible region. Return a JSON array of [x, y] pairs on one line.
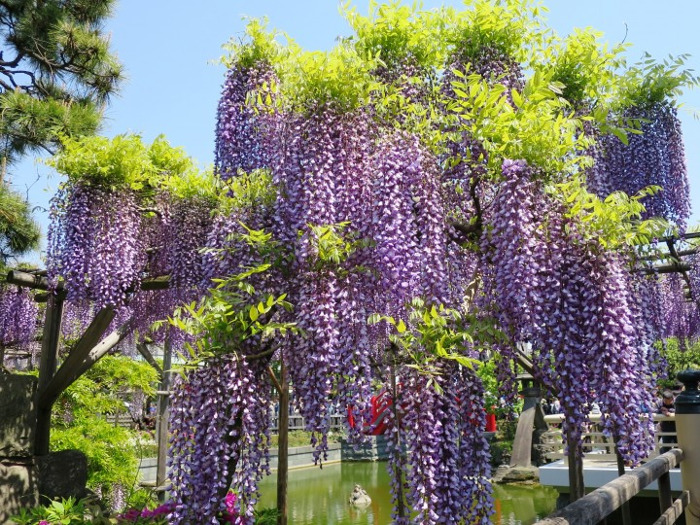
[[170, 49]]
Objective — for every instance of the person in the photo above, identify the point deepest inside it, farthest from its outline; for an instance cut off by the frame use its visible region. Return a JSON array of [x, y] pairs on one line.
[[556, 406], [666, 408]]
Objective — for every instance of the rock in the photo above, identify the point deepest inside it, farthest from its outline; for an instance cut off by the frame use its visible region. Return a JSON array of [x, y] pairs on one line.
[[359, 497], [62, 474], [501, 471], [520, 475]]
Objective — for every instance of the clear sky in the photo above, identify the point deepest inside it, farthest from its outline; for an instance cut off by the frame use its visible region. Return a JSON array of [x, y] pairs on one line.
[[170, 49]]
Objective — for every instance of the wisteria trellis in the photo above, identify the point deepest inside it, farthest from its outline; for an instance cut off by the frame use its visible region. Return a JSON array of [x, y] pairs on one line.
[[426, 212]]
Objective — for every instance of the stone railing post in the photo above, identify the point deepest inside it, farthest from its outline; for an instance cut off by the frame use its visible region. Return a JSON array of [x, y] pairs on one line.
[[688, 428]]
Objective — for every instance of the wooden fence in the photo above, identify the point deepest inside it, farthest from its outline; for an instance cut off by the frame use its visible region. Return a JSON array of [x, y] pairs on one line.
[[603, 501]]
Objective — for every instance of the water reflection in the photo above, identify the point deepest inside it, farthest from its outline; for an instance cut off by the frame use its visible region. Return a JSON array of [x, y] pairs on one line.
[[321, 497], [522, 505]]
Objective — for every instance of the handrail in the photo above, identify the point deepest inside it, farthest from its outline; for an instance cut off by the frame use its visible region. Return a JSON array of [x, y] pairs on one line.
[[597, 442], [603, 501]]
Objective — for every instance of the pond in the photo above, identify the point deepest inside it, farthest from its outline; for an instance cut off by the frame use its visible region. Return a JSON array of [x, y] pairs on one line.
[[320, 496]]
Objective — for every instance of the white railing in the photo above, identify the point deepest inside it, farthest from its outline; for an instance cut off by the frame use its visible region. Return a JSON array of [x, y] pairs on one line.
[[597, 445]]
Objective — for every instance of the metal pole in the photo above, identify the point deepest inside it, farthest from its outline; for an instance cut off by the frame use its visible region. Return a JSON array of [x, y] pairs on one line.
[[688, 428]]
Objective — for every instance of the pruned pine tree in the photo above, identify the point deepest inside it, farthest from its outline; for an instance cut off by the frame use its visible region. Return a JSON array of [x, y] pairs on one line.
[[19, 233], [56, 72]]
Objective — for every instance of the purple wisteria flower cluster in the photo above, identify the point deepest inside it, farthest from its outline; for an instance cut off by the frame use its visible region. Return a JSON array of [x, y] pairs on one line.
[[446, 456], [377, 194], [575, 305], [656, 157], [220, 423], [246, 120], [95, 244], [18, 317]]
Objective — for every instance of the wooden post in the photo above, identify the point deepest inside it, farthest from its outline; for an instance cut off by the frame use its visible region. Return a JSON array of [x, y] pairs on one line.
[[47, 369], [626, 516], [665, 497], [688, 428], [400, 508], [146, 354], [162, 419], [283, 446], [575, 459], [70, 368]]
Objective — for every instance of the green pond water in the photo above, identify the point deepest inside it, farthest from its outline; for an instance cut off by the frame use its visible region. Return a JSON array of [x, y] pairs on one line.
[[321, 497]]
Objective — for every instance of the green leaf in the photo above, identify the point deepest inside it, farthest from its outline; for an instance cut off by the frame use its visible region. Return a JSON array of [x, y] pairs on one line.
[[253, 313]]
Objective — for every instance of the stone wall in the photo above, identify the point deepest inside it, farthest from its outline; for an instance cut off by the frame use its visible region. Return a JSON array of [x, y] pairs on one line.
[[18, 471]]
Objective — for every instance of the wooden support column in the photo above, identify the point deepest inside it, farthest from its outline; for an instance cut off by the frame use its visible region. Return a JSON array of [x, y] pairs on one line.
[[625, 507], [162, 419], [283, 446], [575, 460], [47, 369], [400, 504]]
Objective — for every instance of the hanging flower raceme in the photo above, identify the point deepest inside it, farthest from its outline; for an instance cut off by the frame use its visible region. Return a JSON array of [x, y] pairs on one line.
[[18, 317], [694, 289], [681, 318], [656, 157], [247, 120], [324, 194], [573, 303], [219, 432], [189, 224], [621, 350], [512, 247], [448, 461], [648, 318], [95, 244]]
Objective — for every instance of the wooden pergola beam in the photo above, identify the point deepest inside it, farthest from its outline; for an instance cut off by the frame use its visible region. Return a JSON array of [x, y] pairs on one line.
[[666, 268], [689, 235], [37, 281], [34, 281]]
